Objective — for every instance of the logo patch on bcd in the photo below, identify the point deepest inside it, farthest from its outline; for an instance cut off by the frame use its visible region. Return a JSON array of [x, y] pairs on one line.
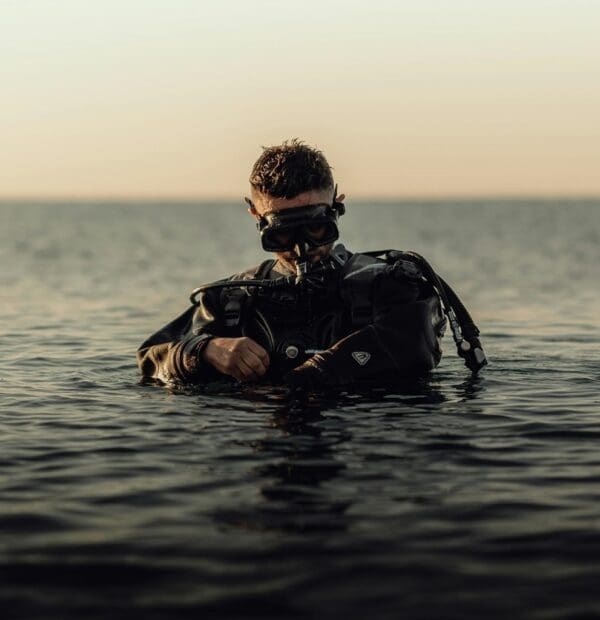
[[361, 357]]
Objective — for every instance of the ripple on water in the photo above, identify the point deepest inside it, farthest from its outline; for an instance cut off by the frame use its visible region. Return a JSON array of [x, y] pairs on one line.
[[451, 497]]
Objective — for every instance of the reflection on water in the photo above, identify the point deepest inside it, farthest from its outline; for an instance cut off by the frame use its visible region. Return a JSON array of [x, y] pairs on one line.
[[299, 482], [295, 483], [470, 388]]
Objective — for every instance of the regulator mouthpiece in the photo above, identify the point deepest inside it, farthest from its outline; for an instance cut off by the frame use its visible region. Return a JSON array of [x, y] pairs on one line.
[[302, 262]]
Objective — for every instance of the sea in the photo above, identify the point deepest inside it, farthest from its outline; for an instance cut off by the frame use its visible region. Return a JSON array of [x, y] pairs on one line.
[[447, 497]]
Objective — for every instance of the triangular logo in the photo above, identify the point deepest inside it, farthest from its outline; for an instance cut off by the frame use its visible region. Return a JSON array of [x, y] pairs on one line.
[[361, 357]]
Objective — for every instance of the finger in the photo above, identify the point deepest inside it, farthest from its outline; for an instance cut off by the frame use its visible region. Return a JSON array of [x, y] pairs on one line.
[[258, 351], [232, 372], [246, 371], [237, 375], [255, 363]]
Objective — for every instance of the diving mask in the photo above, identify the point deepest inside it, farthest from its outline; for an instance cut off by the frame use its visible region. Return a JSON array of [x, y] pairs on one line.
[[313, 225]]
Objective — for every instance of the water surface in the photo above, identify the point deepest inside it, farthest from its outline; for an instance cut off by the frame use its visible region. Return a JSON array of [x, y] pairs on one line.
[[447, 497]]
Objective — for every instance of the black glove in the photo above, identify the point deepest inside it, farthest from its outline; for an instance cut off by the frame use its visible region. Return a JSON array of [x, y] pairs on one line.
[[306, 378]]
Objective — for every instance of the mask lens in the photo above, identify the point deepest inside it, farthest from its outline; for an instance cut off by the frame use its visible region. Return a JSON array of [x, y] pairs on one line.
[[282, 239], [277, 240], [321, 233], [314, 225], [316, 231]]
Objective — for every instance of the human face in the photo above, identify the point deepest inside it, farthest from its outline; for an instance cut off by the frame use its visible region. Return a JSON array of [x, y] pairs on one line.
[[263, 204]]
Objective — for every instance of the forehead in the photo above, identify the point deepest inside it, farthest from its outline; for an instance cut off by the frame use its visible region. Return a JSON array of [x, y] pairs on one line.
[[266, 204]]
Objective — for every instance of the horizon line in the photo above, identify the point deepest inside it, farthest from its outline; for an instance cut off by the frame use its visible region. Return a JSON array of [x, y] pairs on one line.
[[20, 199]]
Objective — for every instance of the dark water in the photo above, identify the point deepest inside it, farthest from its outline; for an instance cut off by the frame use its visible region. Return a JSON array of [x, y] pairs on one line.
[[446, 498]]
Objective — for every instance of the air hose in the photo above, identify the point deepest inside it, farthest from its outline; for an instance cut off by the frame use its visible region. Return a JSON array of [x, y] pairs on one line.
[[250, 283]]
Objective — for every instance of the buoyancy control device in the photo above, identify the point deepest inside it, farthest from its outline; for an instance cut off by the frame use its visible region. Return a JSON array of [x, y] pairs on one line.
[[299, 304]]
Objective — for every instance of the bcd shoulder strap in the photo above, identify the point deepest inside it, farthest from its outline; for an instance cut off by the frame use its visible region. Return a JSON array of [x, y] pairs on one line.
[[233, 299]]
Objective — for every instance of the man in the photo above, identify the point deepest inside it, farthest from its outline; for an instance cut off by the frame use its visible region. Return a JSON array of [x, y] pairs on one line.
[[315, 315]]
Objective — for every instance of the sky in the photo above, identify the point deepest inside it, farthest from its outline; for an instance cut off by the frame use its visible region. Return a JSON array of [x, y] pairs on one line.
[[416, 98]]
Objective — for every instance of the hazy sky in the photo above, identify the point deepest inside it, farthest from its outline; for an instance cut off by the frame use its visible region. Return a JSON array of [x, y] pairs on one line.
[[149, 98]]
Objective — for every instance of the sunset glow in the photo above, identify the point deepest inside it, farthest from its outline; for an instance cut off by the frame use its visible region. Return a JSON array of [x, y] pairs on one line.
[[148, 99]]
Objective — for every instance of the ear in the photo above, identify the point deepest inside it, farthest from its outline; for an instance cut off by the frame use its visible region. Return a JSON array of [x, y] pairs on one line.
[[252, 209], [339, 204], [337, 198]]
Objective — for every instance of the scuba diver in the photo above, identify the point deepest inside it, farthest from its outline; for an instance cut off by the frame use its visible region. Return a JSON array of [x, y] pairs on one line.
[[316, 315]]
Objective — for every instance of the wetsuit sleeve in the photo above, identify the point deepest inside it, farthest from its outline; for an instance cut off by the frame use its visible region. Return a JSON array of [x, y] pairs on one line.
[[174, 352], [390, 347]]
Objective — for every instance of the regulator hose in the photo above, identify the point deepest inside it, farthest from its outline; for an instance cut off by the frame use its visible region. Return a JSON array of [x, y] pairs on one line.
[[250, 283]]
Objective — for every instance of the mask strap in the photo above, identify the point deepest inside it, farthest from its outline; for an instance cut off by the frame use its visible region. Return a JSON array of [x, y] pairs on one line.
[[338, 207], [262, 222]]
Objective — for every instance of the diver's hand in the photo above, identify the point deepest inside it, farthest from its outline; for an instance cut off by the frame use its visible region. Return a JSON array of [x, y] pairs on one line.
[[306, 378], [241, 358]]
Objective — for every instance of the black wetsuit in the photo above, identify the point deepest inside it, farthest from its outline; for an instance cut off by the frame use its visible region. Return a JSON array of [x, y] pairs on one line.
[[362, 322]]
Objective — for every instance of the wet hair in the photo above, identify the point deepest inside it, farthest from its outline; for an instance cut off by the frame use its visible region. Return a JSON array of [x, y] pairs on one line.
[[289, 169]]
